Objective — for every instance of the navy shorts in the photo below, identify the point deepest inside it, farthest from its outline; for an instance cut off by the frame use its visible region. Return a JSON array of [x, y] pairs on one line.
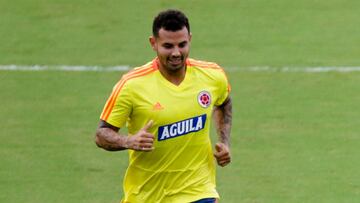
[[206, 200]]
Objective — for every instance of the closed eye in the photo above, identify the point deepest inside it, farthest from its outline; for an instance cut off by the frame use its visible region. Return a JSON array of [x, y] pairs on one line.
[[167, 46], [182, 44]]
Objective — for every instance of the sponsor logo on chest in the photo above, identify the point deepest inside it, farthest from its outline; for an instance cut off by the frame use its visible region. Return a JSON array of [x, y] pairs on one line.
[[181, 128]]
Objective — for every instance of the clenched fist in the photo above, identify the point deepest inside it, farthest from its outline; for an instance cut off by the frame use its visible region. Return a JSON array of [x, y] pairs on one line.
[[222, 154]]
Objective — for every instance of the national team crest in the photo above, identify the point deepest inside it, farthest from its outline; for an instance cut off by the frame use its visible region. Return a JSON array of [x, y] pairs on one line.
[[204, 99]]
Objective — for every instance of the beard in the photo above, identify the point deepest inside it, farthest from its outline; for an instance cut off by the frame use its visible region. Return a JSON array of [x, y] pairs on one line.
[[175, 63]]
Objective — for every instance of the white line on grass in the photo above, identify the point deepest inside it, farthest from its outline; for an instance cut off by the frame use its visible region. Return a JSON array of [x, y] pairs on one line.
[[62, 68], [315, 69], [230, 69]]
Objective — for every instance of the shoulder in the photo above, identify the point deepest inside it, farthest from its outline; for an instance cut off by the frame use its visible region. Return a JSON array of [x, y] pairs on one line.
[[203, 64], [138, 73], [207, 68], [211, 71], [135, 76]]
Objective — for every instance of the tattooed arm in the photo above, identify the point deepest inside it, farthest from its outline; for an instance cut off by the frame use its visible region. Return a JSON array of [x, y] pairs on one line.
[[108, 138], [223, 118]]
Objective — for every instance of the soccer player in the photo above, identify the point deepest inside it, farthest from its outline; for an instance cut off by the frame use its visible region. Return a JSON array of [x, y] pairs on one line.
[[167, 106]]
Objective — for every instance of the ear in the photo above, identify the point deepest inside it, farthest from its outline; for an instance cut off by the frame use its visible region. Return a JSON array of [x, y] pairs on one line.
[[190, 35], [152, 41]]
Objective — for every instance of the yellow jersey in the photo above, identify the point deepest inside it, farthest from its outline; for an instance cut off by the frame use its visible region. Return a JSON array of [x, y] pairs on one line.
[[181, 168]]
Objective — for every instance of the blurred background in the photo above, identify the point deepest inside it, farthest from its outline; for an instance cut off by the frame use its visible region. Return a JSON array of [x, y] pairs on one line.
[[296, 126]]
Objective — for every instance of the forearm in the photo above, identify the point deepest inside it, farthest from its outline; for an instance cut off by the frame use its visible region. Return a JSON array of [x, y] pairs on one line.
[[110, 140], [223, 121]]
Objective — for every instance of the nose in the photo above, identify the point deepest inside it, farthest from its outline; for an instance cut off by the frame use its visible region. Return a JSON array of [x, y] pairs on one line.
[[175, 52]]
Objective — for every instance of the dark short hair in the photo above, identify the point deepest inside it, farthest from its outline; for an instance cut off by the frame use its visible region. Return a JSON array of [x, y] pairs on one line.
[[171, 20]]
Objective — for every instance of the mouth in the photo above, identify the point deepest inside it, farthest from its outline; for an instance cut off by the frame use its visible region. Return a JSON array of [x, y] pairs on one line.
[[175, 61]]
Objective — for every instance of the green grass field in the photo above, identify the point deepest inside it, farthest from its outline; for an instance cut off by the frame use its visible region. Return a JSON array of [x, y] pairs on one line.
[[295, 135]]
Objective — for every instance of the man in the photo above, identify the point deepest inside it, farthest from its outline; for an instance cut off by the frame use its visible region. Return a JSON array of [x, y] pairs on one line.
[[167, 106]]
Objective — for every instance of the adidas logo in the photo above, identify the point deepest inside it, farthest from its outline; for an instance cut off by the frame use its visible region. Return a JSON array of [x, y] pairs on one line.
[[157, 106]]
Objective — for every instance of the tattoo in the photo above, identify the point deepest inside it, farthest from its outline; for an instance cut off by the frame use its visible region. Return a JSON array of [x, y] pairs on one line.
[[108, 138], [223, 121], [104, 124]]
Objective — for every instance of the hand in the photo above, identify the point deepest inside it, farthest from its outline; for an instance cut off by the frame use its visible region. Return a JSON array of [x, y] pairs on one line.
[[142, 140], [222, 154]]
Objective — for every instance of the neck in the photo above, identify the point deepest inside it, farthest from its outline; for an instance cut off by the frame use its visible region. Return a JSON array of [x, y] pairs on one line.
[[173, 76]]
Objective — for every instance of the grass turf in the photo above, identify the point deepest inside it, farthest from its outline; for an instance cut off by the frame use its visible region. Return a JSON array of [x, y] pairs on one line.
[[295, 136]]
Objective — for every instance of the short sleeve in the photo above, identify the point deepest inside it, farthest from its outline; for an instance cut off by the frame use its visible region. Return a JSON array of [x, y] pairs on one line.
[[224, 88], [118, 106]]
